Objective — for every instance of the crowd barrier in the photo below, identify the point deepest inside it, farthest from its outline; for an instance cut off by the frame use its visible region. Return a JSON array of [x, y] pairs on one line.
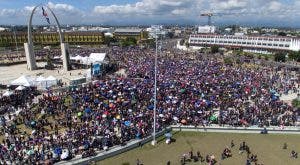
[[231, 129], [101, 155]]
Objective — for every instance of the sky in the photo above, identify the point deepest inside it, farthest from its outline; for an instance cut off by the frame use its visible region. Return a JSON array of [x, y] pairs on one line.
[[284, 13]]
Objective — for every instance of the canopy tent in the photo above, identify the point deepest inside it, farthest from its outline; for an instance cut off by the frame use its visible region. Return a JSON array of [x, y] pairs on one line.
[[23, 80], [40, 78], [51, 81], [20, 88], [7, 93], [76, 58], [97, 57], [41, 81], [93, 58]]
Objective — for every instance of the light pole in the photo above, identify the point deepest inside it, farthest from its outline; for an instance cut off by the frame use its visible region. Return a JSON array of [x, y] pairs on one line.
[[155, 90]]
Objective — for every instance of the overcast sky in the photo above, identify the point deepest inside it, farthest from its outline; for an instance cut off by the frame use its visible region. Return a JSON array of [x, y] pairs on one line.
[[245, 12]]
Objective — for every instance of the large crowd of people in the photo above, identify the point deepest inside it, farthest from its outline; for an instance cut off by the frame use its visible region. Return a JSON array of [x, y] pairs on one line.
[[115, 110]]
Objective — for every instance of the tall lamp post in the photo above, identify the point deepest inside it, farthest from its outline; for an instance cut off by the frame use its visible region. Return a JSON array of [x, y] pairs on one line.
[[155, 91]]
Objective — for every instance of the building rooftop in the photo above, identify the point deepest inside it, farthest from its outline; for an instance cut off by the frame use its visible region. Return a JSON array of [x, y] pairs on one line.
[[128, 30]]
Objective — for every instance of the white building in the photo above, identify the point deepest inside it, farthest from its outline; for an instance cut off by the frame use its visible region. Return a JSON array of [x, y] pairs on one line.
[[156, 29], [2, 28], [206, 29], [246, 42]]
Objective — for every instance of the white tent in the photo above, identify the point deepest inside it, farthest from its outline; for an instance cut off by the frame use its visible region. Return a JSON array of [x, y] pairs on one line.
[[76, 58], [97, 57], [23, 80], [20, 88], [93, 58], [7, 93], [41, 81], [40, 78], [51, 81]]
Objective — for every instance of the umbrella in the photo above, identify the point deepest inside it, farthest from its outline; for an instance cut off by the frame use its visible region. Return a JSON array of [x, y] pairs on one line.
[[58, 151], [127, 123], [118, 117], [182, 90], [183, 121], [150, 107], [79, 114], [65, 154], [111, 105], [88, 110], [30, 152], [213, 118], [33, 123], [96, 101]]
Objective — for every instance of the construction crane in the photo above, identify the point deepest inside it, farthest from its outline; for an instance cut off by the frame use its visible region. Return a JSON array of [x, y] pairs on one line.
[[210, 14]]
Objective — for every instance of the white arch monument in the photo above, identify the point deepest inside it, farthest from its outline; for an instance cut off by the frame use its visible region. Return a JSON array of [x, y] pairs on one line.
[[30, 56]]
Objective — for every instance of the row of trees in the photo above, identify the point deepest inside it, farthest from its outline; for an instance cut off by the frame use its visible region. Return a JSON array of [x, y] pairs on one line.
[[129, 41], [283, 57], [279, 57]]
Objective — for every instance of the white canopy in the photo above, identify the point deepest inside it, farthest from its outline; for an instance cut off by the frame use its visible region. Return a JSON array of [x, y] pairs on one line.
[[7, 93], [93, 58], [51, 78], [40, 78], [23, 80], [51, 81], [19, 88], [97, 57], [78, 57]]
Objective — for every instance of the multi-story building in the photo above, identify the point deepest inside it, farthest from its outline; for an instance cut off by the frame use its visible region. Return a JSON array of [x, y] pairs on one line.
[[270, 43], [51, 38], [206, 29], [123, 33]]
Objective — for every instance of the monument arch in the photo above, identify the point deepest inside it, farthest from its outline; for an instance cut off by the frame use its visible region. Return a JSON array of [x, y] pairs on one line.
[[29, 51]]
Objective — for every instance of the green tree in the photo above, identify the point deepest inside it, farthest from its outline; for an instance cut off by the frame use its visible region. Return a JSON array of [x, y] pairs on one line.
[[228, 61], [181, 42], [130, 41], [296, 103], [266, 58], [280, 57], [170, 34], [282, 34], [108, 40], [295, 56], [215, 49]]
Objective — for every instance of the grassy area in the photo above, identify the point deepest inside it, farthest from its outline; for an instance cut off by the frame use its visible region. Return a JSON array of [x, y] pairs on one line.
[[267, 147]]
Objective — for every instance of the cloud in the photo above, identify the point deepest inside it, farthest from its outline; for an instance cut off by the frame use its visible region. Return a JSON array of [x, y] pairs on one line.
[[59, 6], [146, 7], [165, 11], [229, 4]]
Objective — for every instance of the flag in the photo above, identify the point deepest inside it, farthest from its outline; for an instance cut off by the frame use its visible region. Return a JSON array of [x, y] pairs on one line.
[[48, 20], [45, 15], [44, 12]]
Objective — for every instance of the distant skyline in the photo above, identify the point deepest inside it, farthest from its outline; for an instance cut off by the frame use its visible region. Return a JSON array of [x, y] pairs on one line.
[[282, 13]]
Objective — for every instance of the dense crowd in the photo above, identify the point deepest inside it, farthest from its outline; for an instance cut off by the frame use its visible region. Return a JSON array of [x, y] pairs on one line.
[[115, 110], [13, 56]]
